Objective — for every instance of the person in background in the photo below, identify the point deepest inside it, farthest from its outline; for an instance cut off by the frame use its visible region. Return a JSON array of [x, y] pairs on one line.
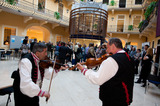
[[62, 52], [28, 80], [91, 53], [146, 67], [25, 47], [52, 47], [79, 51], [56, 51], [69, 53], [84, 52], [32, 44], [142, 62], [126, 49], [95, 47], [133, 52], [103, 49], [49, 49], [137, 59], [115, 76]]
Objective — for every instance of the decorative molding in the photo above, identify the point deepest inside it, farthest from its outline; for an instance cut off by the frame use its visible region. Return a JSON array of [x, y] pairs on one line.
[[130, 11], [55, 25], [26, 19], [128, 35], [112, 11], [110, 34], [0, 10], [66, 29], [70, 3], [43, 22], [140, 36]]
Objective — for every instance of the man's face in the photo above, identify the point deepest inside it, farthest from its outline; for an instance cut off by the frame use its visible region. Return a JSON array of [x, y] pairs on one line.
[[42, 55], [145, 47], [109, 48]]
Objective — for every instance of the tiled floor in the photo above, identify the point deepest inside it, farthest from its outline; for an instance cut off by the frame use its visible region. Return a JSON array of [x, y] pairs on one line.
[[71, 88]]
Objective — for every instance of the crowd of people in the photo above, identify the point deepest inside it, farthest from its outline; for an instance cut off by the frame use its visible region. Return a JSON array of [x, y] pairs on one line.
[[115, 75]]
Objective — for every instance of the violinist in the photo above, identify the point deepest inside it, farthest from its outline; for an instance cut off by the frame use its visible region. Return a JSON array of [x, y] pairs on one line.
[[27, 86], [115, 76]]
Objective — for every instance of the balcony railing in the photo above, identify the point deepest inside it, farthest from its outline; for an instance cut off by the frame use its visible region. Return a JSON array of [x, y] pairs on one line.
[[145, 22], [128, 4], [26, 8], [122, 28]]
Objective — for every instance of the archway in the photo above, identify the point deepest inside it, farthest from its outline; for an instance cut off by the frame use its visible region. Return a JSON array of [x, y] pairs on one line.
[[38, 32]]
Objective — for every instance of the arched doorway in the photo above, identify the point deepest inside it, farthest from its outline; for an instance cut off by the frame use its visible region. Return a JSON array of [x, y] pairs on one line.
[[38, 32]]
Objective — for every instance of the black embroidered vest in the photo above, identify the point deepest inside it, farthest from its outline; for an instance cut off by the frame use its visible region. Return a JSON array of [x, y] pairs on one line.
[[34, 72], [119, 89]]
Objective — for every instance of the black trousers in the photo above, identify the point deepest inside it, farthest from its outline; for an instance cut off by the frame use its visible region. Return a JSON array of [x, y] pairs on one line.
[[21, 99], [114, 103]]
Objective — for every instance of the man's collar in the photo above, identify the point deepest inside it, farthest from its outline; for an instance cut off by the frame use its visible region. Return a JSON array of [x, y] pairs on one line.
[[34, 56], [121, 51]]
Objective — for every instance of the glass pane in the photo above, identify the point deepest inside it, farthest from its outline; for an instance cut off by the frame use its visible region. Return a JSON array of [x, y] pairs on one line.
[[58, 38], [136, 21], [106, 1], [121, 17], [60, 10], [7, 32], [138, 1]]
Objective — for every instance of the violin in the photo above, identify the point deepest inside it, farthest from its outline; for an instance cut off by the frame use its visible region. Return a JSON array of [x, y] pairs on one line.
[[46, 63], [93, 62]]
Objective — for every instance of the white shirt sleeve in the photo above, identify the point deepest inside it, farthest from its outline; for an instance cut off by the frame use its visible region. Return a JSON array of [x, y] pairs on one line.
[[107, 70], [27, 86], [48, 73]]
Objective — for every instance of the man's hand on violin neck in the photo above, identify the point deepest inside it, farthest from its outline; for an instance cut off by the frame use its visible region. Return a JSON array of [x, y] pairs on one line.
[[64, 68], [79, 66]]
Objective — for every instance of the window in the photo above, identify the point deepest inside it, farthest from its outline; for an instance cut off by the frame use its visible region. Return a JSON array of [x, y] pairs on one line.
[[58, 38], [138, 1], [7, 32], [60, 10], [41, 5], [122, 3], [106, 1], [136, 21]]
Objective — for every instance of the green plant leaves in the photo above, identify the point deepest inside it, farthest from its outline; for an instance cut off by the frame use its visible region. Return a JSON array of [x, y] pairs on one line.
[[57, 15], [112, 3], [140, 24], [12, 2], [130, 27], [150, 9]]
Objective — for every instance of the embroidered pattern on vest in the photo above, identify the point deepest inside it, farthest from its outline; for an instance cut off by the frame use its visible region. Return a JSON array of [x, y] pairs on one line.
[[126, 92], [35, 73]]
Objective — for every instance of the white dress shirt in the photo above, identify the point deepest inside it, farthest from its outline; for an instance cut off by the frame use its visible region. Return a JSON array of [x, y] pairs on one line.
[[107, 70], [27, 86]]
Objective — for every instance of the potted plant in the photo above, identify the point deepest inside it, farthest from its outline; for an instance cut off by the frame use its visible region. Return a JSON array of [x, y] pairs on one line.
[[57, 15], [130, 27], [150, 9], [41, 5], [12, 2], [140, 24], [112, 3]]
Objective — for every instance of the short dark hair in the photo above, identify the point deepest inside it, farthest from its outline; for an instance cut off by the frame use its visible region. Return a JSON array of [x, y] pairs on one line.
[[139, 50], [25, 41], [116, 41], [39, 47], [26, 37], [147, 46]]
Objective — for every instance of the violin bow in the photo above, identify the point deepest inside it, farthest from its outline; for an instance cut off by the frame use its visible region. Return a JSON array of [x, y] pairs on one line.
[[51, 78]]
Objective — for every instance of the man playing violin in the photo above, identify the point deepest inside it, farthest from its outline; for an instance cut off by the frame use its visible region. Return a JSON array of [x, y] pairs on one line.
[[27, 84], [115, 76]]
